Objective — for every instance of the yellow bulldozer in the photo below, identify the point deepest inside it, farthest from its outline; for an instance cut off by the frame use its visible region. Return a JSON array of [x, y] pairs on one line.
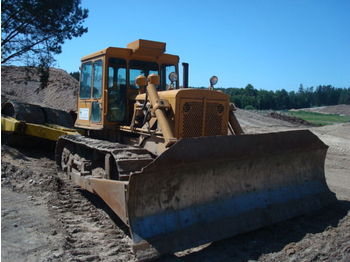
[[173, 162]]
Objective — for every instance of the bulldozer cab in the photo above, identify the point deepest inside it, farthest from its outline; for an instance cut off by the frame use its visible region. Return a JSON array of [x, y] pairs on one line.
[[107, 82]]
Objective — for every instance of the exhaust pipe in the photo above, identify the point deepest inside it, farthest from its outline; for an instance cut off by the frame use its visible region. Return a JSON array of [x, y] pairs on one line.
[[185, 75]]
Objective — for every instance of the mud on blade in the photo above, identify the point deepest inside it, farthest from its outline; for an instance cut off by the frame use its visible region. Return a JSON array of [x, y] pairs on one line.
[[210, 188]]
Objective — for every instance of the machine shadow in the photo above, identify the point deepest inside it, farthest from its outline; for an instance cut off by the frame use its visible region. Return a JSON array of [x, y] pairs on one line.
[[274, 238], [29, 146]]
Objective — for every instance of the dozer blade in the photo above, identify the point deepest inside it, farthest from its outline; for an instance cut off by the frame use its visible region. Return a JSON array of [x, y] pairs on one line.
[[210, 188]]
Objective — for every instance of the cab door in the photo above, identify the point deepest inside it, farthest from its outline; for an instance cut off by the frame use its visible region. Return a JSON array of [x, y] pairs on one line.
[[96, 119], [91, 95], [116, 91]]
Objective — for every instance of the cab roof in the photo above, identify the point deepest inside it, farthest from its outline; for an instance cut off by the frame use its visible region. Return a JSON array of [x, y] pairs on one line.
[[141, 49]]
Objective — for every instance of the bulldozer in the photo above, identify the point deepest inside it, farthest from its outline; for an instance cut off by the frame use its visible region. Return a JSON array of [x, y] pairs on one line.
[[174, 163]]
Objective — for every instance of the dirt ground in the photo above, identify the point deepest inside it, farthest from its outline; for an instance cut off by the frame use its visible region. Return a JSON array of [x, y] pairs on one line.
[[337, 109], [45, 218]]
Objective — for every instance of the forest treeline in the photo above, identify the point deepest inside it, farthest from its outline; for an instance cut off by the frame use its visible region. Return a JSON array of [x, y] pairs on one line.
[[323, 95]]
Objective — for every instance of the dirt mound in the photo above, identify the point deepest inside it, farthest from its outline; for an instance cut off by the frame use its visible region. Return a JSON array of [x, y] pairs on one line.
[[290, 119], [22, 84], [259, 122], [337, 109], [21, 172], [20, 179]]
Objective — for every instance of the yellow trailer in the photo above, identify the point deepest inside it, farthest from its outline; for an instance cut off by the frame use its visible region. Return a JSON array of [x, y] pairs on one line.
[[45, 131], [36, 121]]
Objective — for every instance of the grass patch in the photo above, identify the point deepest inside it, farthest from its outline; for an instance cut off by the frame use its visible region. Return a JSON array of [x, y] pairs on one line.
[[320, 119]]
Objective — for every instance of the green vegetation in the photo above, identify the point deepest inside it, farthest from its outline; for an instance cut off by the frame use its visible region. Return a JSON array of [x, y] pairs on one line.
[[249, 107], [318, 118], [76, 75], [33, 31], [323, 95]]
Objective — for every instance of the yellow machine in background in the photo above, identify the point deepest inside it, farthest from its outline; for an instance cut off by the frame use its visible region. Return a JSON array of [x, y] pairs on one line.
[[173, 163]]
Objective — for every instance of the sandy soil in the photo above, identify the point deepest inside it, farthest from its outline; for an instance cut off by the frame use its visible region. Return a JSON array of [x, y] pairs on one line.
[[22, 84], [59, 221], [27, 228]]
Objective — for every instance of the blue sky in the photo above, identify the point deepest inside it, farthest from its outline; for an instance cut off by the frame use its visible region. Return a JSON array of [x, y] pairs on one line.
[[271, 44]]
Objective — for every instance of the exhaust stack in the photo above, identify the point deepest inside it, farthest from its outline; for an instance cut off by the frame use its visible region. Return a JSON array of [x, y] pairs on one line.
[[185, 75]]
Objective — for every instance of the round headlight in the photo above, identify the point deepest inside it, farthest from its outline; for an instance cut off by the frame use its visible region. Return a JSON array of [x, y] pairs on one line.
[[173, 77], [213, 80]]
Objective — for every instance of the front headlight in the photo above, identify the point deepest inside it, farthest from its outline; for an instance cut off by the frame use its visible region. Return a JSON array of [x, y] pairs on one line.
[[173, 77], [213, 80]]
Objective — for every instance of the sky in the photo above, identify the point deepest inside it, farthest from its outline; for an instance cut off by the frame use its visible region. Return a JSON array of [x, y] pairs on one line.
[[271, 44]]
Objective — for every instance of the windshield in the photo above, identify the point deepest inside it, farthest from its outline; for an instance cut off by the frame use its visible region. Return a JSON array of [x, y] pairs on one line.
[[141, 68]]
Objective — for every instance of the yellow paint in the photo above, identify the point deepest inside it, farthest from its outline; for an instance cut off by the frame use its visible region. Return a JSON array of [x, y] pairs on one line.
[[177, 97], [10, 124], [141, 50], [47, 131]]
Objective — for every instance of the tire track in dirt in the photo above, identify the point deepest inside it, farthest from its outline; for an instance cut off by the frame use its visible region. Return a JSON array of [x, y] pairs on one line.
[[86, 228], [90, 234]]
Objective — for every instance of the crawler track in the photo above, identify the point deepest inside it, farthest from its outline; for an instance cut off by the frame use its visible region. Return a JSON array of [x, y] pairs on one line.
[[92, 157]]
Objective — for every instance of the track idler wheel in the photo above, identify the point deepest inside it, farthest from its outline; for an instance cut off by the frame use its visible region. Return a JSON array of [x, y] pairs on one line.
[[65, 159]]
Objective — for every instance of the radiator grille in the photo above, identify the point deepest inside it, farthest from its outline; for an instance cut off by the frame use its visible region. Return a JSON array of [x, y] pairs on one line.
[[192, 118], [213, 119], [191, 121]]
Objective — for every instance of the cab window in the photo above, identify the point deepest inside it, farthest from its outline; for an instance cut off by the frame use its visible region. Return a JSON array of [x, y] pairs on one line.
[[141, 68], [165, 81], [85, 81], [116, 89], [96, 111], [97, 91]]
